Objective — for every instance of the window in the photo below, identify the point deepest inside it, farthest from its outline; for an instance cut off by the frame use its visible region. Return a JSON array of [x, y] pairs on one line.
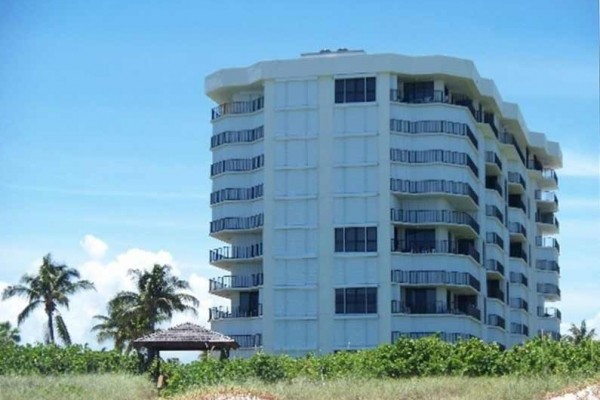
[[356, 301], [355, 90], [356, 240], [421, 301], [418, 91]]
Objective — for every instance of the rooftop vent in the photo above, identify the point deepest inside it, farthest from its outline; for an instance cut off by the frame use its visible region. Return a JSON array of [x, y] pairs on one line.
[[327, 52]]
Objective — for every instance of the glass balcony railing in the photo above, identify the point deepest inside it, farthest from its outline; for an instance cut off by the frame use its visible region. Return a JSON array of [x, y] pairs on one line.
[[519, 278], [549, 312], [436, 307], [496, 320], [519, 303], [547, 265], [495, 266], [218, 313], [235, 282], [492, 158], [517, 178], [547, 242]]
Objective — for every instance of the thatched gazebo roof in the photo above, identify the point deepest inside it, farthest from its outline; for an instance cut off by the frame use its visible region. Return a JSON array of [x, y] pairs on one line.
[[186, 337]]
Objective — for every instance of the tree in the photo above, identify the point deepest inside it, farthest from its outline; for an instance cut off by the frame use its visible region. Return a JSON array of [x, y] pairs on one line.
[[8, 334], [49, 289], [581, 333], [134, 314]]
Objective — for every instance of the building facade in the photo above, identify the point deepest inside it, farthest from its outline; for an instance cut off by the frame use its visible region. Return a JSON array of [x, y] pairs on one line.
[[367, 197]]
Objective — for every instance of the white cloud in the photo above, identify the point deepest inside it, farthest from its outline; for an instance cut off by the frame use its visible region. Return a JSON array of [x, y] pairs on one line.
[[109, 278], [94, 247], [580, 164]]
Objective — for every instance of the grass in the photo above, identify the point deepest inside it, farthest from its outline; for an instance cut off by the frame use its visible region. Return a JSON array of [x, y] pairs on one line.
[[116, 387], [71, 387], [454, 388]]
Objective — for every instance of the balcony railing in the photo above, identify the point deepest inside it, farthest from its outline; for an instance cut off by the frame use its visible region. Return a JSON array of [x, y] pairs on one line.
[[547, 242], [517, 229], [435, 126], [519, 329], [508, 138], [433, 186], [541, 195], [519, 303], [495, 266], [236, 252], [551, 334], [493, 211], [547, 218], [495, 293], [547, 265], [519, 278], [435, 278], [494, 238], [493, 185], [549, 312], [437, 96], [238, 107], [465, 101], [237, 194], [451, 337], [433, 156], [549, 173], [237, 223], [496, 320], [517, 178], [517, 203], [518, 252], [492, 158], [433, 216], [436, 246], [437, 307], [243, 136], [235, 282], [534, 164], [247, 341], [548, 288], [217, 313], [488, 118]]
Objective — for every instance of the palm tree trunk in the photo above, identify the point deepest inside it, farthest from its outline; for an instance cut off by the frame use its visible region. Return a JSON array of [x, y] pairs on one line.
[[50, 328]]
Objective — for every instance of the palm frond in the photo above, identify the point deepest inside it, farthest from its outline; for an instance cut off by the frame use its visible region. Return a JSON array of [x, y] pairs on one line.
[[61, 329], [26, 312]]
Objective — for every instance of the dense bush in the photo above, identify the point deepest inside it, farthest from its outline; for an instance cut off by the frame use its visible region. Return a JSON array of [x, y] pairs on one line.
[[52, 359]]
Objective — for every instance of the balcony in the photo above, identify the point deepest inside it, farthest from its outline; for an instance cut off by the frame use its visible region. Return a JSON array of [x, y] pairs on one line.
[[439, 126], [236, 253], [518, 252], [494, 238], [508, 138], [433, 156], [250, 223], [514, 201], [519, 303], [435, 96], [219, 313], [243, 136], [495, 293], [437, 307], [492, 183], [547, 201], [547, 222], [519, 329], [437, 278], [488, 118], [493, 211], [493, 159], [238, 107], [465, 101], [535, 165], [550, 291], [551, 334], [549, 312], [517, 231], [547, 242], [496, 320], [248, 341], [432, 217], [436, 247], [515, 178], [550, 177], [519, 279], [224, 285], [547, 265], [450, 337], [434, 186], [495, 266]]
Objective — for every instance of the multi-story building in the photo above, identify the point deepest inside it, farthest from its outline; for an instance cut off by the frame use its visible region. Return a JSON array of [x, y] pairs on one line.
[[367, 197]]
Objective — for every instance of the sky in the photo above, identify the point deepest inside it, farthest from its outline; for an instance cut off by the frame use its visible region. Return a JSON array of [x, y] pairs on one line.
[[105, 128]]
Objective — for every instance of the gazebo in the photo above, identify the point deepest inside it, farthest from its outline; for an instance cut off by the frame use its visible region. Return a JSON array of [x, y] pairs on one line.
[[186, 337]]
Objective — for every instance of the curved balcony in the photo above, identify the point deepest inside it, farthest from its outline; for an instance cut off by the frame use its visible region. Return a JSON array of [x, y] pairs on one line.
[[517, 231], [218, 313], [446, 127], [510, 143], [236, 254], [237, 107], [519, 329], [223, 228], [551, 292], [519, 279], [438, 187], [458, 247], [493, 211], [549, 178], [495, 293], [496, 320], [434, 156], [549, 312], [435, 217], [225, 285], [547, 265], [547, 243], [518, 252], [236, 165], [546, 201], [494, 238], [243, 136], [438, 307], [237, 194], [516, 182], [519, 304], [547, 222], [436, 278], [493, 164], [495, 267]]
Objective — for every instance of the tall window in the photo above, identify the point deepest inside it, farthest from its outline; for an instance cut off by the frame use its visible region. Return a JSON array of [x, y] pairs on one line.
[[356, 240], [356, 301], [355, 90]]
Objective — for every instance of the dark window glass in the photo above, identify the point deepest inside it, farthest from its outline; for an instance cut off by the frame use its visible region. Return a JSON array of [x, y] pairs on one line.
[[420, 238], [372, 239], [351, 91], [371, 300], [371, 89], [339, 301], [339, 91], [360, 239], [356, 301], [339, 240], [351, 239], [421, 301]]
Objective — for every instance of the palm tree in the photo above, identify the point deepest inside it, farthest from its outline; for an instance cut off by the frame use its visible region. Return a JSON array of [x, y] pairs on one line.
[[134, 314], [8, 334], [581, 333], [50, 288]]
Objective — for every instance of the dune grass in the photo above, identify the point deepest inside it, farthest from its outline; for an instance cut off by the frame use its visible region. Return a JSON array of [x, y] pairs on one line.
[[71, 387], [454, 388]]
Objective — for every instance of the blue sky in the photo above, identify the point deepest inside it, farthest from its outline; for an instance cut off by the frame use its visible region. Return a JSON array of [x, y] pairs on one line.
[[104, 127]]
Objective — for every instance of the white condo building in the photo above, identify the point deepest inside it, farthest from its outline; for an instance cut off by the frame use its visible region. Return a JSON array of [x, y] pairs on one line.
[[367, 197]]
